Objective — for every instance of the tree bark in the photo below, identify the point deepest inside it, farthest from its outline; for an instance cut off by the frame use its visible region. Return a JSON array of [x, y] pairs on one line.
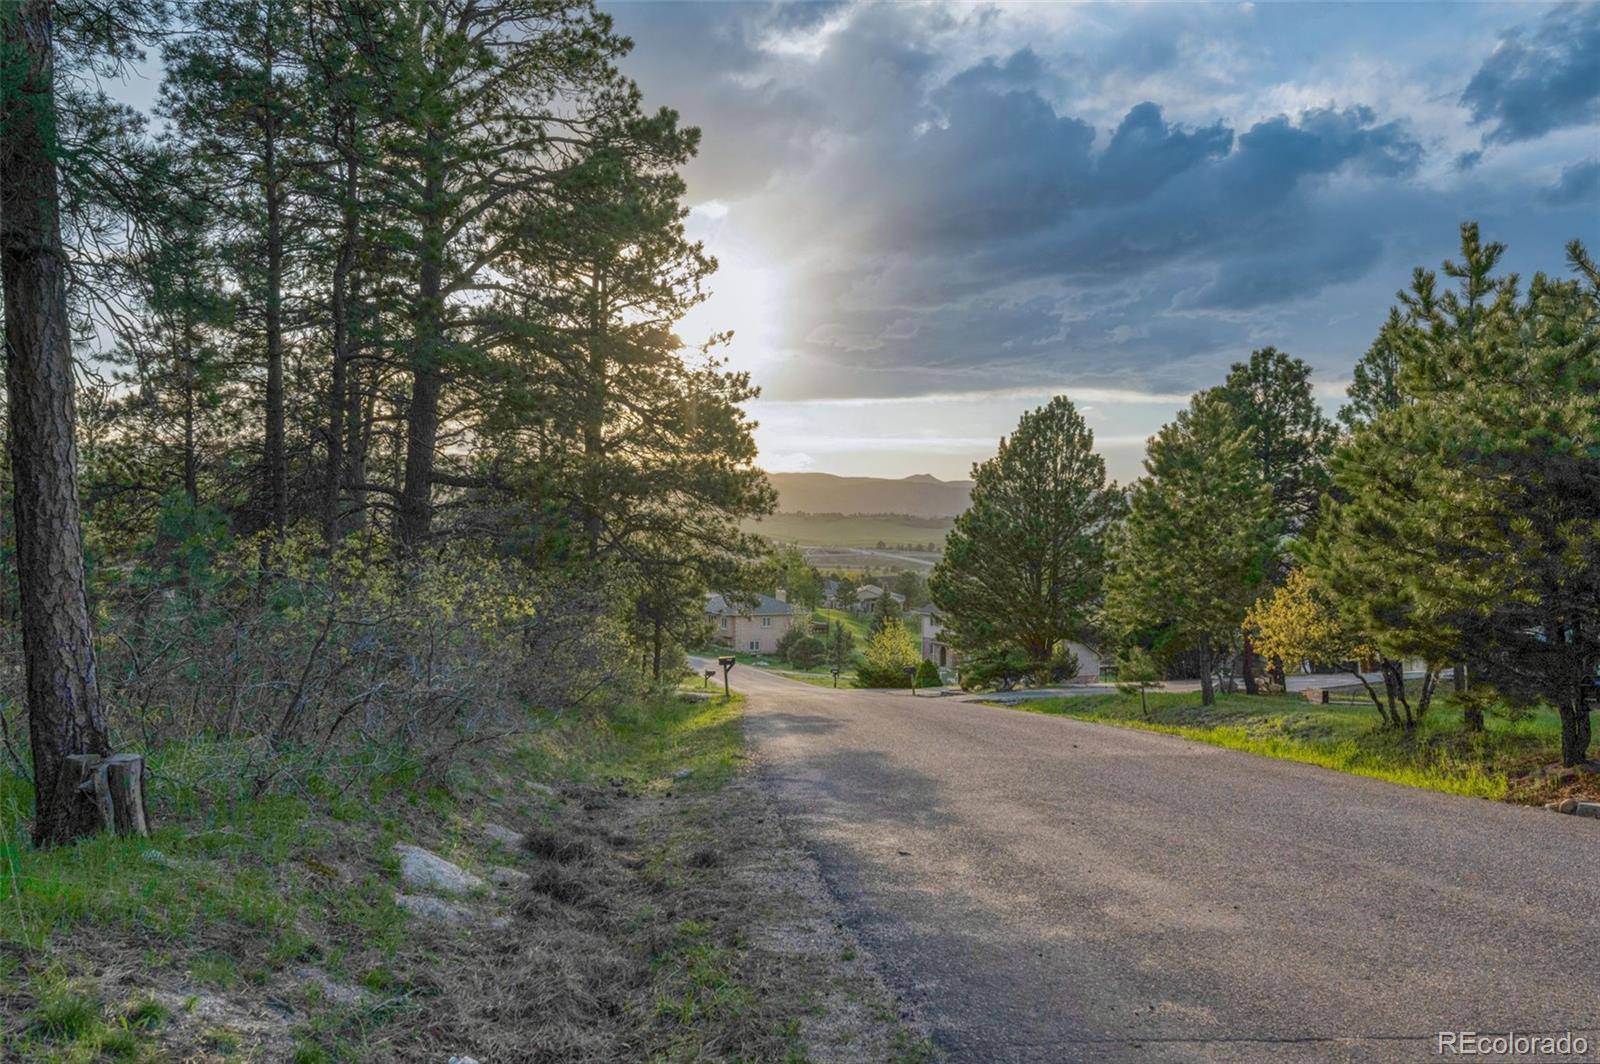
[[427, 380], [1208, 694], [1249, 655], [276, 455], [655, 652], [338, 388], [594, 418], [63, 701], [1575, 728]]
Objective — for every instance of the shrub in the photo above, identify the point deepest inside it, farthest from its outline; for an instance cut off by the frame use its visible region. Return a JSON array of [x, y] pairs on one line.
[[311, 664], [888, 655], [805, 652], [1000, 669], [928, 675]]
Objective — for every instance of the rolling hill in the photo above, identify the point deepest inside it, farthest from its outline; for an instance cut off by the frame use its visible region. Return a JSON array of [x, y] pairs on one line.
[[824, 493]]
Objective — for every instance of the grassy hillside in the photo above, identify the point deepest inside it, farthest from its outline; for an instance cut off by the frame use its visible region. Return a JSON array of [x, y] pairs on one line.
[[850, 530], [1505, 762], [638, 918]]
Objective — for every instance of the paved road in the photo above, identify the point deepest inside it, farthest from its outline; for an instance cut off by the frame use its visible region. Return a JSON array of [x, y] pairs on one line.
[[1044, 889]]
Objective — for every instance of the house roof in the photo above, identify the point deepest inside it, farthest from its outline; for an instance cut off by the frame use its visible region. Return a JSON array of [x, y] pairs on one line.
[[868, 591], [765, 606]]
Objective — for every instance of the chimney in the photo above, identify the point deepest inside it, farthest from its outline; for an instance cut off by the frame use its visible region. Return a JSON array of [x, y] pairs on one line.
[[782, 595]]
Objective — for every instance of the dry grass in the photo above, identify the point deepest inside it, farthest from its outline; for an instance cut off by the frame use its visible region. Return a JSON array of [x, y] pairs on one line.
[[664, 917], [651, 930]]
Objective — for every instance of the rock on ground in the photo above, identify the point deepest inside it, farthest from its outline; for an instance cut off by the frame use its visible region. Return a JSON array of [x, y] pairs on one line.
[[511, 840], [422, 870], [445, 912], [509, 877]]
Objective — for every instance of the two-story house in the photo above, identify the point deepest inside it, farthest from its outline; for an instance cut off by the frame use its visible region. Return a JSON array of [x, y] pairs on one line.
[[753, 628]]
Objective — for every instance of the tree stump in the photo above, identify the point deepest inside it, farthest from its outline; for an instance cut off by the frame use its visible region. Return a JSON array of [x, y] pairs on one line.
[[116, 786]]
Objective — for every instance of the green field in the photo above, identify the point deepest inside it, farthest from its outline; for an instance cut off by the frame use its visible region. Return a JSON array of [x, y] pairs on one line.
[[861, 624], [1504, 762], [850, 530]]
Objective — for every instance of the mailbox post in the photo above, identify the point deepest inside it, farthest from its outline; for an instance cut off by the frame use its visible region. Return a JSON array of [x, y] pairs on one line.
[[835, 671], [708, 675], [727, 662], [911, 674]]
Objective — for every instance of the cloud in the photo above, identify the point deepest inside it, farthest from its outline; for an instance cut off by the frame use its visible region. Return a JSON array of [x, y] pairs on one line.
[[955, 200], [1534, 83], [1578, 184]]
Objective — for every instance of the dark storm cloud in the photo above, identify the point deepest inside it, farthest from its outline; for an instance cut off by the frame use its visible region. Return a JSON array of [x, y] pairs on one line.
[[1578, 184], [952, 216], [1542, 80]]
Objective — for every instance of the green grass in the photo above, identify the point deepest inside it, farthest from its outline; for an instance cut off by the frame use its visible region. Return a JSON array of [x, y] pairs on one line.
[[70, 1023], [232, 894], [1440, 755], [230, 889], [850, 530], [861, 624], [646, 745]]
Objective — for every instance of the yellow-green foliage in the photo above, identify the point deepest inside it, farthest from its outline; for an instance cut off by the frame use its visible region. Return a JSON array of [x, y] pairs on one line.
[[888, 655], [1296, 623]]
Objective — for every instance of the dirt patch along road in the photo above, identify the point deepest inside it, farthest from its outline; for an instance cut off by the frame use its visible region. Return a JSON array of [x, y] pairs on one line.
[[1044, 889]]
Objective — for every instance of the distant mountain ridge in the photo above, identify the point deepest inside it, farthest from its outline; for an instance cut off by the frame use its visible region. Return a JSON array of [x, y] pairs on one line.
[[823, 493]]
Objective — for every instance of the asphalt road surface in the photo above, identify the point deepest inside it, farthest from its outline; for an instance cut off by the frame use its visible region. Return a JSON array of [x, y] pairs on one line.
[[1044, 889]]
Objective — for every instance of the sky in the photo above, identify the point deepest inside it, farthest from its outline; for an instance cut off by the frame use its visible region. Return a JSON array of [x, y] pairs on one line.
[[932, 218]]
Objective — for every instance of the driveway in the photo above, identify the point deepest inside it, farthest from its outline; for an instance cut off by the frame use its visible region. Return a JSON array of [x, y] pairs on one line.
[[1044, 889]]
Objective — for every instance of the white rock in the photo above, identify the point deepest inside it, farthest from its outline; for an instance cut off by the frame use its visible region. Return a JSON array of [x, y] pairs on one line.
[[508, 877], [1588, 809], [683, 773], [437, 909], [463, 1060], [511, 840], [422, 870], [332, 990]]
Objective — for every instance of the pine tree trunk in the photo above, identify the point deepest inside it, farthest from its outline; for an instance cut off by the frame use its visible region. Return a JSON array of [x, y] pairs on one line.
[[594, 419], [1575, 728], [655, 652], [1249, 655], [191, 458], [276, 455], [338, 388], [427, 380], [1208, 694], [63, 701]]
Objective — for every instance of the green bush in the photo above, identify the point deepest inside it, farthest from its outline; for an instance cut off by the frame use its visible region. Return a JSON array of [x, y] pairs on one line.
[[889, 655], [928, 675], [805, 652]]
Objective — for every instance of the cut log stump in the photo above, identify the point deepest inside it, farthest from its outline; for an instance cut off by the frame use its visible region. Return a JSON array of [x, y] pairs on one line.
[[115, 785]]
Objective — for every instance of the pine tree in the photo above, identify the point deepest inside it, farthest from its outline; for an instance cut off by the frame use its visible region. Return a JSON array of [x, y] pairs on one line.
[[233, 93], [1466, 515], [1290, 439], [1375, 383], [1022, 568], [1197, 542]]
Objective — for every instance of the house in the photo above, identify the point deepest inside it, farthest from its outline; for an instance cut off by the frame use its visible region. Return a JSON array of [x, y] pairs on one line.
[[867, 596], [830, 591], [934, 647], [937, 650], [751, 627], [1089, 663]]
